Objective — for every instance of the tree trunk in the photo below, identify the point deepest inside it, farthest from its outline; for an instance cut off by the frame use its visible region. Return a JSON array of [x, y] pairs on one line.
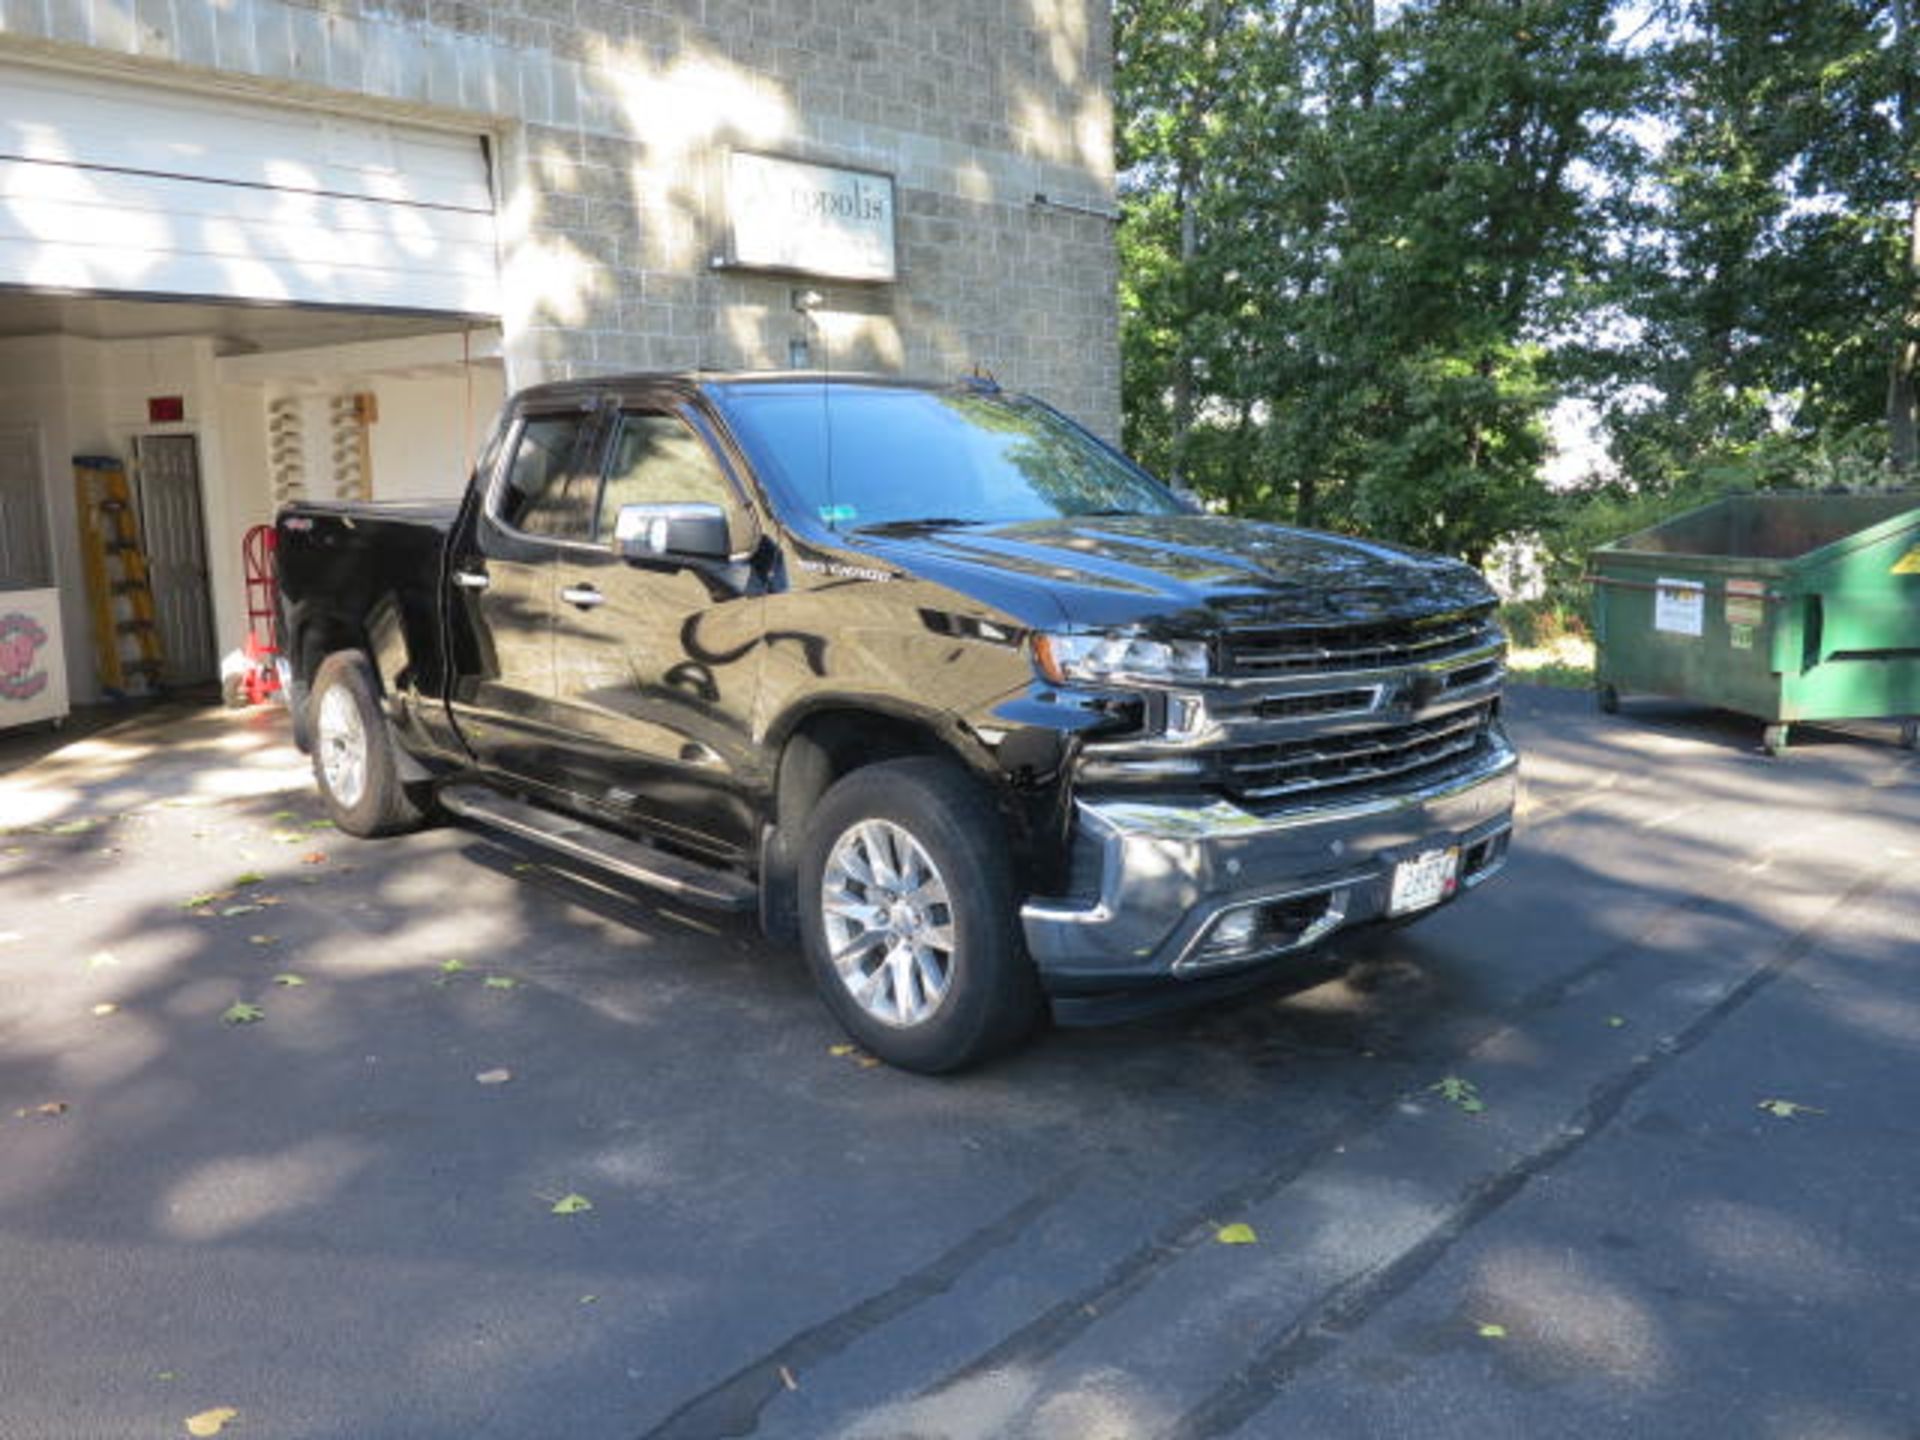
[[1183, 356], [1903, 375]]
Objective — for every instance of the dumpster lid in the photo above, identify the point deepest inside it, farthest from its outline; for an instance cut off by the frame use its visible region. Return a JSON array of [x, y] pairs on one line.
[[1770, 527]]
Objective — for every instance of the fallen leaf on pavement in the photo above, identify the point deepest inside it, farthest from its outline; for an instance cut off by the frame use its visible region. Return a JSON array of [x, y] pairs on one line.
[[252, 877], [840, 1049], [211, 1422], [314, 857], [786, 1379], [1788, 1109], [260, 939], [1493, 1332], [500, 982], [572, 1205], [494, 1077], [1462, 1093], [589, 1299], [288, 980], [233, 910], [241, 1013], [102, 959], [1238, 1233], [47, 1111], [452, 967], [1616, 1021], [105, 1007]]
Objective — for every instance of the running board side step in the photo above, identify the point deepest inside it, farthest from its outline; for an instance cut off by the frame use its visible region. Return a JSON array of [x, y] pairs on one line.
[[577, 839]]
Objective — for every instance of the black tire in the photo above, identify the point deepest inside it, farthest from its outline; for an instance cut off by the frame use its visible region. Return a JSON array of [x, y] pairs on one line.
[[991, 997], [380, 803], [1608, 699]]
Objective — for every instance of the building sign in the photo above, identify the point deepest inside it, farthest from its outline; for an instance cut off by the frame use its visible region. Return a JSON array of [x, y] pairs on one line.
[[803, 219], [22, 675]]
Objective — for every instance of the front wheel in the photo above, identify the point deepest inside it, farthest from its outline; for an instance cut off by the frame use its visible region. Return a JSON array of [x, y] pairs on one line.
[[353, 752], [908, 917]]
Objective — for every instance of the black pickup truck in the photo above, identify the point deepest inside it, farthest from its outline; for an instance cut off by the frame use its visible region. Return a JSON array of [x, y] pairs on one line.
[[954, 693]]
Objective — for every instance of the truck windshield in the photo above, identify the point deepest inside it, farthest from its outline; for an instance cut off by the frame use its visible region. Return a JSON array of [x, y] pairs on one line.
[[940, 457]]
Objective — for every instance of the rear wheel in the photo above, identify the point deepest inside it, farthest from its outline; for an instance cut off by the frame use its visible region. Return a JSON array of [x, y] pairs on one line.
[[353, 752], [908, 919]]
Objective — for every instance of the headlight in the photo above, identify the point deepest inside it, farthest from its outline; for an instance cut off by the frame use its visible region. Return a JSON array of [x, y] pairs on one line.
[[1065, 658]]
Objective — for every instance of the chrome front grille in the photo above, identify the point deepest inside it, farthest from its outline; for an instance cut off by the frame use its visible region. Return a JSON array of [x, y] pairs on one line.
[[1270, 654], [1395, 753]]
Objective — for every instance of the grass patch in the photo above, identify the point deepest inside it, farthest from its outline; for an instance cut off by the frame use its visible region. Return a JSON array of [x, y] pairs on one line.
[[1551, 645]]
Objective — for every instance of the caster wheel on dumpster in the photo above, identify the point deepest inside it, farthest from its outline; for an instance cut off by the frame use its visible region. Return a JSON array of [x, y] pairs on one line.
[[1774, 740], [1608, 699], [1910, 734]]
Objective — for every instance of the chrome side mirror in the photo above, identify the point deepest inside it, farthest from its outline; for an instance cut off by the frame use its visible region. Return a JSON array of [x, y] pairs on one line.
[[689, 530]]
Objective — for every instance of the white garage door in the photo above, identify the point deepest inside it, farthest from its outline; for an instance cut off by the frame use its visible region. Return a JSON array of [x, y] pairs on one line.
[[106, 186]]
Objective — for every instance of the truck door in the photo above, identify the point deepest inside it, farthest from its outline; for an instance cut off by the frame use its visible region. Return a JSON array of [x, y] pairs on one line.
[[517, 521], [657, 662]]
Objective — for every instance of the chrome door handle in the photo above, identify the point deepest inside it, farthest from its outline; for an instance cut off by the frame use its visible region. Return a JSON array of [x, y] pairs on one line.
[[471, 579], [584, 596]]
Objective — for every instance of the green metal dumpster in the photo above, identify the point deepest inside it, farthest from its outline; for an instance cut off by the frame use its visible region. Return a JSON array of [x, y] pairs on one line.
[[1783, 607]]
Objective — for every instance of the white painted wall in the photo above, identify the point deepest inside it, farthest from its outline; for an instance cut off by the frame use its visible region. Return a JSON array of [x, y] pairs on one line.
[[430, 430]]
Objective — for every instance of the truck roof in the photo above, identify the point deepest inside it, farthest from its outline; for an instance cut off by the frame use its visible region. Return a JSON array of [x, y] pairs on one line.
[[726, 379]]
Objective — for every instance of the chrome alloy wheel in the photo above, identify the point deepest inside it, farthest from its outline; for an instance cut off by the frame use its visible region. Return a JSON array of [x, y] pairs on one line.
[[342, 741], [889, 922]]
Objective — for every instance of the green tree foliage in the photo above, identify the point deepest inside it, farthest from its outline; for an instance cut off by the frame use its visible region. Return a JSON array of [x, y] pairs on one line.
[[1766, 293], [1348, 235], [1367, 244]]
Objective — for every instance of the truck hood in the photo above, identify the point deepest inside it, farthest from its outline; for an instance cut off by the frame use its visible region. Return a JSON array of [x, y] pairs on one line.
[[1191, 574]]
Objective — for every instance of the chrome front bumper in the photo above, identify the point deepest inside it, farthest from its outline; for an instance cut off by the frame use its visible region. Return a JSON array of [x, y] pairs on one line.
[[1167, 873]]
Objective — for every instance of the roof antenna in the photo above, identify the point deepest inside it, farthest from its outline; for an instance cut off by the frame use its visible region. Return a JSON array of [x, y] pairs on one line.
[[805, 303]]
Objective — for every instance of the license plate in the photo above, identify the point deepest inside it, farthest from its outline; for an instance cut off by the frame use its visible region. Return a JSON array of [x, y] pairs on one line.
[[1424, 880]]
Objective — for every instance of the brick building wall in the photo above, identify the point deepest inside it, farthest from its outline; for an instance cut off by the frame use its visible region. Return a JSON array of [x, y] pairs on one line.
[[607, 119]]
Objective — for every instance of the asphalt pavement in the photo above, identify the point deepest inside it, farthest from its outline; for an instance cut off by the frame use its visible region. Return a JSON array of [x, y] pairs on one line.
[[1623, 1144]]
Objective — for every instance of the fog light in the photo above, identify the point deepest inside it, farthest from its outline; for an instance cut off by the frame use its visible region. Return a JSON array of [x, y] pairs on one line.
[[1234, 930]]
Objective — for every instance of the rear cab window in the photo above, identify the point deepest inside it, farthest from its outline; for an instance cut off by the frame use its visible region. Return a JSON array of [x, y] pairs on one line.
[[546, 491]]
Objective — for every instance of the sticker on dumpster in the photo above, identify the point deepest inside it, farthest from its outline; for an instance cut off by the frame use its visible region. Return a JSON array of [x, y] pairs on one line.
[[1746, 603], [1742, 636], [1680, 606], [1908, 564]]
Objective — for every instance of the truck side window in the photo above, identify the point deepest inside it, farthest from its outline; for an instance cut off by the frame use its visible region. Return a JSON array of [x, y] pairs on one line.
[[545, 494], [659, 460]]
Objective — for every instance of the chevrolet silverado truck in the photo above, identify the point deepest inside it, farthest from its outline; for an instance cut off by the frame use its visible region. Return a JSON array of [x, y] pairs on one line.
[[944, 687]]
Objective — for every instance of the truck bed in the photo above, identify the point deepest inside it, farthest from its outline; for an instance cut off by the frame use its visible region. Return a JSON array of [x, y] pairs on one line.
[[366, 574]]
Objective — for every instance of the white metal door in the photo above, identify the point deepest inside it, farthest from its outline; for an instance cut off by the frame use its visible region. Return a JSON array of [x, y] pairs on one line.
[[25, 563], [110, 185], [168, 469]]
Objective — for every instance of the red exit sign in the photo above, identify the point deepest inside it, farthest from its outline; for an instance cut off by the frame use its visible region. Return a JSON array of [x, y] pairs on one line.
[[166, 409]]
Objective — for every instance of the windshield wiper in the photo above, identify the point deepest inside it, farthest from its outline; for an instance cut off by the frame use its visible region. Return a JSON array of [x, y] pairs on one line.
[[919, 522]]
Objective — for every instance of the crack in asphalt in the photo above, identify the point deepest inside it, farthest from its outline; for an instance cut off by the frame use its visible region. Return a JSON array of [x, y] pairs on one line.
[[1346, 1306], [1050, 1332], [733, 1407]]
